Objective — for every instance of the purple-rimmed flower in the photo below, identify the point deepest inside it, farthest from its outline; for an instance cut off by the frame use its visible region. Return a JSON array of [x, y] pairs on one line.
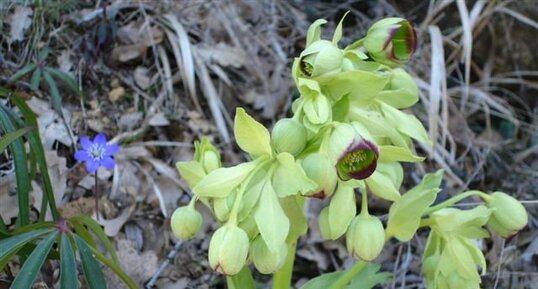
[[391, 41], [97, 153]]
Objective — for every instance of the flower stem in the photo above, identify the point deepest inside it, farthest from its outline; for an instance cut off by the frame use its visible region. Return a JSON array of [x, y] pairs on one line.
[[349, 275], [96, 194], [282, 277], [454, 200], [241, 280]]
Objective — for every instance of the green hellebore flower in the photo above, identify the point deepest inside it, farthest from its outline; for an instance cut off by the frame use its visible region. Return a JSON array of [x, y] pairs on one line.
[[265, 260], [186, 222], [321, 58], [228, 249], [356, 157], [508, 216], [318, 168], [207, 155], [365, 237], [288, 135], [391, 41]]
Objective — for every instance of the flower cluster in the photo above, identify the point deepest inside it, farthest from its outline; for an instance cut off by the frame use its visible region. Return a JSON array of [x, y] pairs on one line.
[[347, 134]]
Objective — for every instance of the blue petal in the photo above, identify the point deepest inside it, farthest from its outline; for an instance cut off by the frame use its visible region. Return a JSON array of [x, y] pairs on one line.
[[100, 139], [111, 149], [108, 163], [92, 166], [85, 143], [82, 156]]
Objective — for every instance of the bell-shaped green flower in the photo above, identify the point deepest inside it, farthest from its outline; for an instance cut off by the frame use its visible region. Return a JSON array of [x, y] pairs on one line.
[[318, 168], [186, 222], [228, 249], [365, 237], [508, 214], [321, 58], [207, 155], [355, 157], [288, 135], [391, 41], [265, 260]]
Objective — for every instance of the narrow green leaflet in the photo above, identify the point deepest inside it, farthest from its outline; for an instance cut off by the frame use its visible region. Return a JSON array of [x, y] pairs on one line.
[[115, 268], [10, 246], [68, 265], [382, 186], [90, 266], [389, 153], [314, 31], [405, 123], [66, 78], [98, 232], [26, 276], [271, 219], [289, 177], [405, 214], [12, 136], [220, 182], [338, 31], [251, 136], [54, 93], [22, 72]]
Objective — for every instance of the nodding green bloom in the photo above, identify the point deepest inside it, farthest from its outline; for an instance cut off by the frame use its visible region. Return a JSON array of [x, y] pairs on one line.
[[321, 58], [508, 216], [391, 41], [265, 260], [207, 155], [318, 168], [186, 222], [356, 157], [228, 249], [365, 237], [288, 135]]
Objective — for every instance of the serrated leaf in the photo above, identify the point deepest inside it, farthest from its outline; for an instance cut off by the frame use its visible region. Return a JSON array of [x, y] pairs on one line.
[[12, 136], [68, 265], [289, 177], [92, 270], [382, 186], [26, 276], [389, 153], [220, 182], [405, 214], [251, 136], [22, 72], [271, 219]]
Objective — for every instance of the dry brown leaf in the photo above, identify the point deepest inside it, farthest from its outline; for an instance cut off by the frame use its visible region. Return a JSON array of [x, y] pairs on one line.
[[51, 127], [141, 77], [19, 21], [116, 94], [113, 226], [139, 266], [223, 54], [8, 198], [159, 119], [127, 53]]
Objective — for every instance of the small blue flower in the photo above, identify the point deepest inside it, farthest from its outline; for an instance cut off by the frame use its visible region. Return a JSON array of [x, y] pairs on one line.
[[97, 153]]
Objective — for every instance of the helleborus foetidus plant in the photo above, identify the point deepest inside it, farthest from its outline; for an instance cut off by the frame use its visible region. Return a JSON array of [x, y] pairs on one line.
[[347, 136]]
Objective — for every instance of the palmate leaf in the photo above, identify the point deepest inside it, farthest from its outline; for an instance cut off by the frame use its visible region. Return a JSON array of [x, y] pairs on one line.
[[68, 265], [26, 276], [92, 270]]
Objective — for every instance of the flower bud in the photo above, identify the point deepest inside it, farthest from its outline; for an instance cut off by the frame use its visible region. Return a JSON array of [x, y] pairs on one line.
[[186, 222], [207, 155], [228, 250], [508, 216], [401, 91], [319, 169], [321, 58], [288, 135], [365, 237], [265, 260], [391, 41]]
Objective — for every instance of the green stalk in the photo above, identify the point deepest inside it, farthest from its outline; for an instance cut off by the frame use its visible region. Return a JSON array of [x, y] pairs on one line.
[[454, 200], [241, 280], [282, 277], [349, 275]]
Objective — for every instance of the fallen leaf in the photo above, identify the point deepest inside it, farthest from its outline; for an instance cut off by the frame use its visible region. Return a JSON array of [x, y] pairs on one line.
[[116, 94], [141, 77], [159, 119], [51, 126], [19, 21]]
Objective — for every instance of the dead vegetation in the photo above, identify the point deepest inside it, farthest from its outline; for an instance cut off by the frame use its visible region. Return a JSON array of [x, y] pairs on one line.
[[157, 75]]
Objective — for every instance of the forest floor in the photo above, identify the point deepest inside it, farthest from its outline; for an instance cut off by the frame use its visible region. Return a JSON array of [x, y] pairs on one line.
[[157, 75]]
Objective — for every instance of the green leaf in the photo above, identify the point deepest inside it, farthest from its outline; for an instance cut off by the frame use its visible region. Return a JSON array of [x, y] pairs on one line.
[[68, 265], [382, 186], [18, 153], [26, 276], [405, 123], [377, 125], [361, 86], [342, 210], [220, 182], [405, 214], [83, 233], [98, 232], [36, 79], [10, 245], [192, 172], [65, 78], [90, 266], [369, 278], [251, 136], [289, 177], [12, 136], [389, 153], [323, 281], [293, 208], [271, 219], [314, 31], [54, 93], [22, 72], [338, 31]]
